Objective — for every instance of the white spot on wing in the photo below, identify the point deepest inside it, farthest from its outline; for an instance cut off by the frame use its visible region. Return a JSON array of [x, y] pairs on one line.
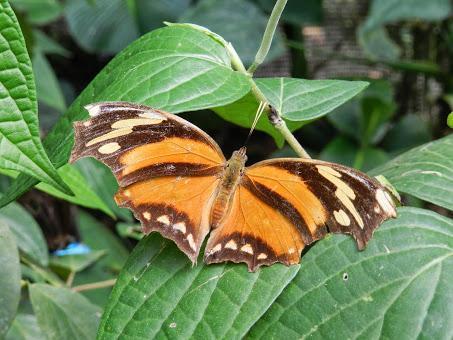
[[93, 109], [181, 226], [262, 256], [342, 217], [231, 244], [191, 242], [385, 202], [163, 219], [147, 215], [247, 248], [217, 248], [109, 148]]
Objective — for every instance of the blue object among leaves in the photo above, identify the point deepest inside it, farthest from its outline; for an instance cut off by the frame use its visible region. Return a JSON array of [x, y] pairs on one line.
[[73, 248]]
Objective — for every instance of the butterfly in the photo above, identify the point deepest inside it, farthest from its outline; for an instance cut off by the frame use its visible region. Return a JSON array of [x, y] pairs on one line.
[[176, 180]]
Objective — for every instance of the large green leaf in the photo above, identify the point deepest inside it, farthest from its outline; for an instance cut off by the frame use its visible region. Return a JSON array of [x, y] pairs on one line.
[[98, 237], [64, 314], [298, 100], [84, 194], [152, 14], [425, 172], [9, 278], [105, 26], [25, 327], [29, 236], [399, 287], [39, 12], [20, 145], [101, 180], [160, 294], [173, 68], [231, 19], [374, 38], [47, 86]]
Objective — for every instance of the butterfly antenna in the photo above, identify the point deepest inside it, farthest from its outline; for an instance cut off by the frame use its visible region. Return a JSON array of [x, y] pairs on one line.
[[258, 114]]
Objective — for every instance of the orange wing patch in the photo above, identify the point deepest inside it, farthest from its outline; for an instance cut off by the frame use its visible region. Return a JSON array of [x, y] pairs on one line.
[[177, 207], [255, 233]]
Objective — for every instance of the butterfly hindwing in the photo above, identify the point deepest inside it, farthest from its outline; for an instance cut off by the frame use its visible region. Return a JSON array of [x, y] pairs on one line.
[[166, 167], [305, 199]]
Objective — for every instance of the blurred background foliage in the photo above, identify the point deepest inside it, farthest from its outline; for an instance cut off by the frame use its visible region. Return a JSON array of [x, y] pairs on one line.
[[403, 48]]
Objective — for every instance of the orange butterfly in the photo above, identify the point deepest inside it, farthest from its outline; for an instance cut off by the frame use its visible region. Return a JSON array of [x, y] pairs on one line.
[[175, 179]]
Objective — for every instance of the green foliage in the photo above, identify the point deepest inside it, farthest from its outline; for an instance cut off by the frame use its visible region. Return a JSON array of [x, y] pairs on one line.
[[398, 287], [166, 296], [29, 237], [20, 145], [216, 15], [374, 38], [425, 172], [9, 278], [63, 314]]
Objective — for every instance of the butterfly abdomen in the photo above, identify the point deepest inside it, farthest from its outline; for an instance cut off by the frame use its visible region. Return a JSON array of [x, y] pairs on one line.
[[231, 178]]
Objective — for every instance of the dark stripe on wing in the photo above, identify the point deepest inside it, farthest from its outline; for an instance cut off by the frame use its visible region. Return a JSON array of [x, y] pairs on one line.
[[276, 201], [169, 169]]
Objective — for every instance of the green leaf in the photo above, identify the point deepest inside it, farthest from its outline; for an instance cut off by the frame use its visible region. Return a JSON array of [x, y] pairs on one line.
[[145, 72], [105, 26], [77, 262], [20, 145], [47, 45], [9, 278], [47, 86], [425, 172], [450, 120], [298, 100], [39, 12], [298, 12], [410, 131], [25, 327], [29, 236], [397, 288], [160, 294], [344, 151], [64, 314], [101, 180], [84, 194], [231, 19], [98, 237], [372, 35], [152, 14]]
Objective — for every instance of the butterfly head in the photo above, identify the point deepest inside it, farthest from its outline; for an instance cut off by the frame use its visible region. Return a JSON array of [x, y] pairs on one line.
[[237, 161]]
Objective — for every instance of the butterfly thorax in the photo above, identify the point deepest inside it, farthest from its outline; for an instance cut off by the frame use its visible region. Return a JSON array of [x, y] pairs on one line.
[[230, 179]]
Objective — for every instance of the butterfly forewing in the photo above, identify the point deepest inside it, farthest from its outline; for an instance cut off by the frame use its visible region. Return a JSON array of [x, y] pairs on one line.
[[166, 167]]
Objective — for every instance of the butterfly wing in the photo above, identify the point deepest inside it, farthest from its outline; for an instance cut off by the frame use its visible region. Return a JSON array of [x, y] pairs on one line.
[[167, 168], [282, 205]]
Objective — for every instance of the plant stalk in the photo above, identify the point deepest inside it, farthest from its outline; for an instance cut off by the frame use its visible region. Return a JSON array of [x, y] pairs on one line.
[[94, 285], [268, 35], [272, 113]]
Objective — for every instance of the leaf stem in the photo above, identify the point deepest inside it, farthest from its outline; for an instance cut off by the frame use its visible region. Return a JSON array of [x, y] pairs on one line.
[[94, 285], [272, 113], [268, 35]]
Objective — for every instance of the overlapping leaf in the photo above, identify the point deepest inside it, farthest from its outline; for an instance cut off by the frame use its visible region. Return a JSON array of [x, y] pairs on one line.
[[425, 172], [231, 19], [397, 288], [25, 327], [298, 100], [160, 294], [29, 236], [20, 145], [173, 68], [9, 278], [64, 314]]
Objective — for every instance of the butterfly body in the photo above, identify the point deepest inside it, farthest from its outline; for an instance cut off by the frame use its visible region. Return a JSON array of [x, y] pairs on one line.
[[175, 179], [230, 179]]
